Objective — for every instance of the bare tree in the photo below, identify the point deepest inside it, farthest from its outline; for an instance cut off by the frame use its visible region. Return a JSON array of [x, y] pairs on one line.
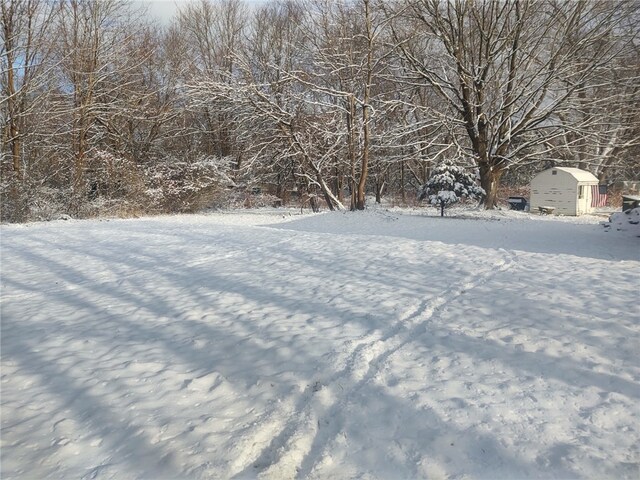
[[24, 27], [282, 120], [507, 69], [345, 59], [90, 38], [215, 32], [605, 113], [25, 73], [310, 96], [278, 126]]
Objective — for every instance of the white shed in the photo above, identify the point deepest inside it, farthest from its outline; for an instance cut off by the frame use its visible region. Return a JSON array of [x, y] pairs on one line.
[[568, 191]]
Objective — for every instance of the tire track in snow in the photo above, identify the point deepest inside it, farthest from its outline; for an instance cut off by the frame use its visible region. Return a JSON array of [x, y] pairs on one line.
[[319, 414], [376, 354]]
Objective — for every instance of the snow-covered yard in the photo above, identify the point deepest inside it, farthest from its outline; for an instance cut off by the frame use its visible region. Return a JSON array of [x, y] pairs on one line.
[[382, 344]]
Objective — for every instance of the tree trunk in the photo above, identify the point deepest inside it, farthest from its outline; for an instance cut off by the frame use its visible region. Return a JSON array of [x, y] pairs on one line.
[[360, 196], [11, 110], [379, 189], [403, 193], [490, 180], [442, 209], [353, 188], [364, 171], [15, 148], [313, 201], [364, 168], [351, 152], [328, 198], [339, 181]]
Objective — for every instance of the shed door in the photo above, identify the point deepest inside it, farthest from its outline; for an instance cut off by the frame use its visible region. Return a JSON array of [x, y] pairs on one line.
[[584, 199]]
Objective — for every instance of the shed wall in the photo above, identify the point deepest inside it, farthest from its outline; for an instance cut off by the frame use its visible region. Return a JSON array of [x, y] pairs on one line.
[[559, 191]]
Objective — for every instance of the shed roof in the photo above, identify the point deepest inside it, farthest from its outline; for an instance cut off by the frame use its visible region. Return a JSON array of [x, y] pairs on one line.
[[579, 175]]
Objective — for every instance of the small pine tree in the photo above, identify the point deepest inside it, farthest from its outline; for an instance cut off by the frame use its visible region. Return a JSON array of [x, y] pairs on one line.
[[448, 184]]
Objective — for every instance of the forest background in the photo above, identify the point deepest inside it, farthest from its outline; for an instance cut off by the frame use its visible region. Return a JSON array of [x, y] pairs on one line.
[[317, 103]]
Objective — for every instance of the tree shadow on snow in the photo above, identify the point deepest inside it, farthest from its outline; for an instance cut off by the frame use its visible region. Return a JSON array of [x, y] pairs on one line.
[[120, 307]]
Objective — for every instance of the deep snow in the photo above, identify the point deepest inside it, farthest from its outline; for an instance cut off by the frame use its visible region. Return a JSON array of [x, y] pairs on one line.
[[379, 344]]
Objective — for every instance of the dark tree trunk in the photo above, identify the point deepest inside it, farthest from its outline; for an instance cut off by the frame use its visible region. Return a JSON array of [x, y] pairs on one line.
[[313, 201], [379, 189], [490, 180], [339, 183], [403, 193]]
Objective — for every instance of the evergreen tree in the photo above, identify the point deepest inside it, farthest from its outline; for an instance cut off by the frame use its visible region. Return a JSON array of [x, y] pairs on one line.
[[448, 184]]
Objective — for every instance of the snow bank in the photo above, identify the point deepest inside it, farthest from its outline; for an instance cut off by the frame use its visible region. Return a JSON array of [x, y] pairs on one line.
[[626, 223], [372, 345]]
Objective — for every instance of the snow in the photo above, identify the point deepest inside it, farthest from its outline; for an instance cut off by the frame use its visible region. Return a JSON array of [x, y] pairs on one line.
[[377, 344], [628, 222]]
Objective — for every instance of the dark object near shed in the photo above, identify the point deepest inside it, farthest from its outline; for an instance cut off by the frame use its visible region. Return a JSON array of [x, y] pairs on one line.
[[629, 202], [517, 203]]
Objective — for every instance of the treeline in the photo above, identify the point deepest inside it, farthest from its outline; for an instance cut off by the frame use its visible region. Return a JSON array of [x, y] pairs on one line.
[[322, 102]]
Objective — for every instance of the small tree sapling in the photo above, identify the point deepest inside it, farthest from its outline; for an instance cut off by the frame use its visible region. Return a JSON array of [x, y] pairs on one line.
[[448, 184]]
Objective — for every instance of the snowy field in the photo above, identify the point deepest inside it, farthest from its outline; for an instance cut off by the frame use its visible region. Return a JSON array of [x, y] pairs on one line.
[[376, 345]]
